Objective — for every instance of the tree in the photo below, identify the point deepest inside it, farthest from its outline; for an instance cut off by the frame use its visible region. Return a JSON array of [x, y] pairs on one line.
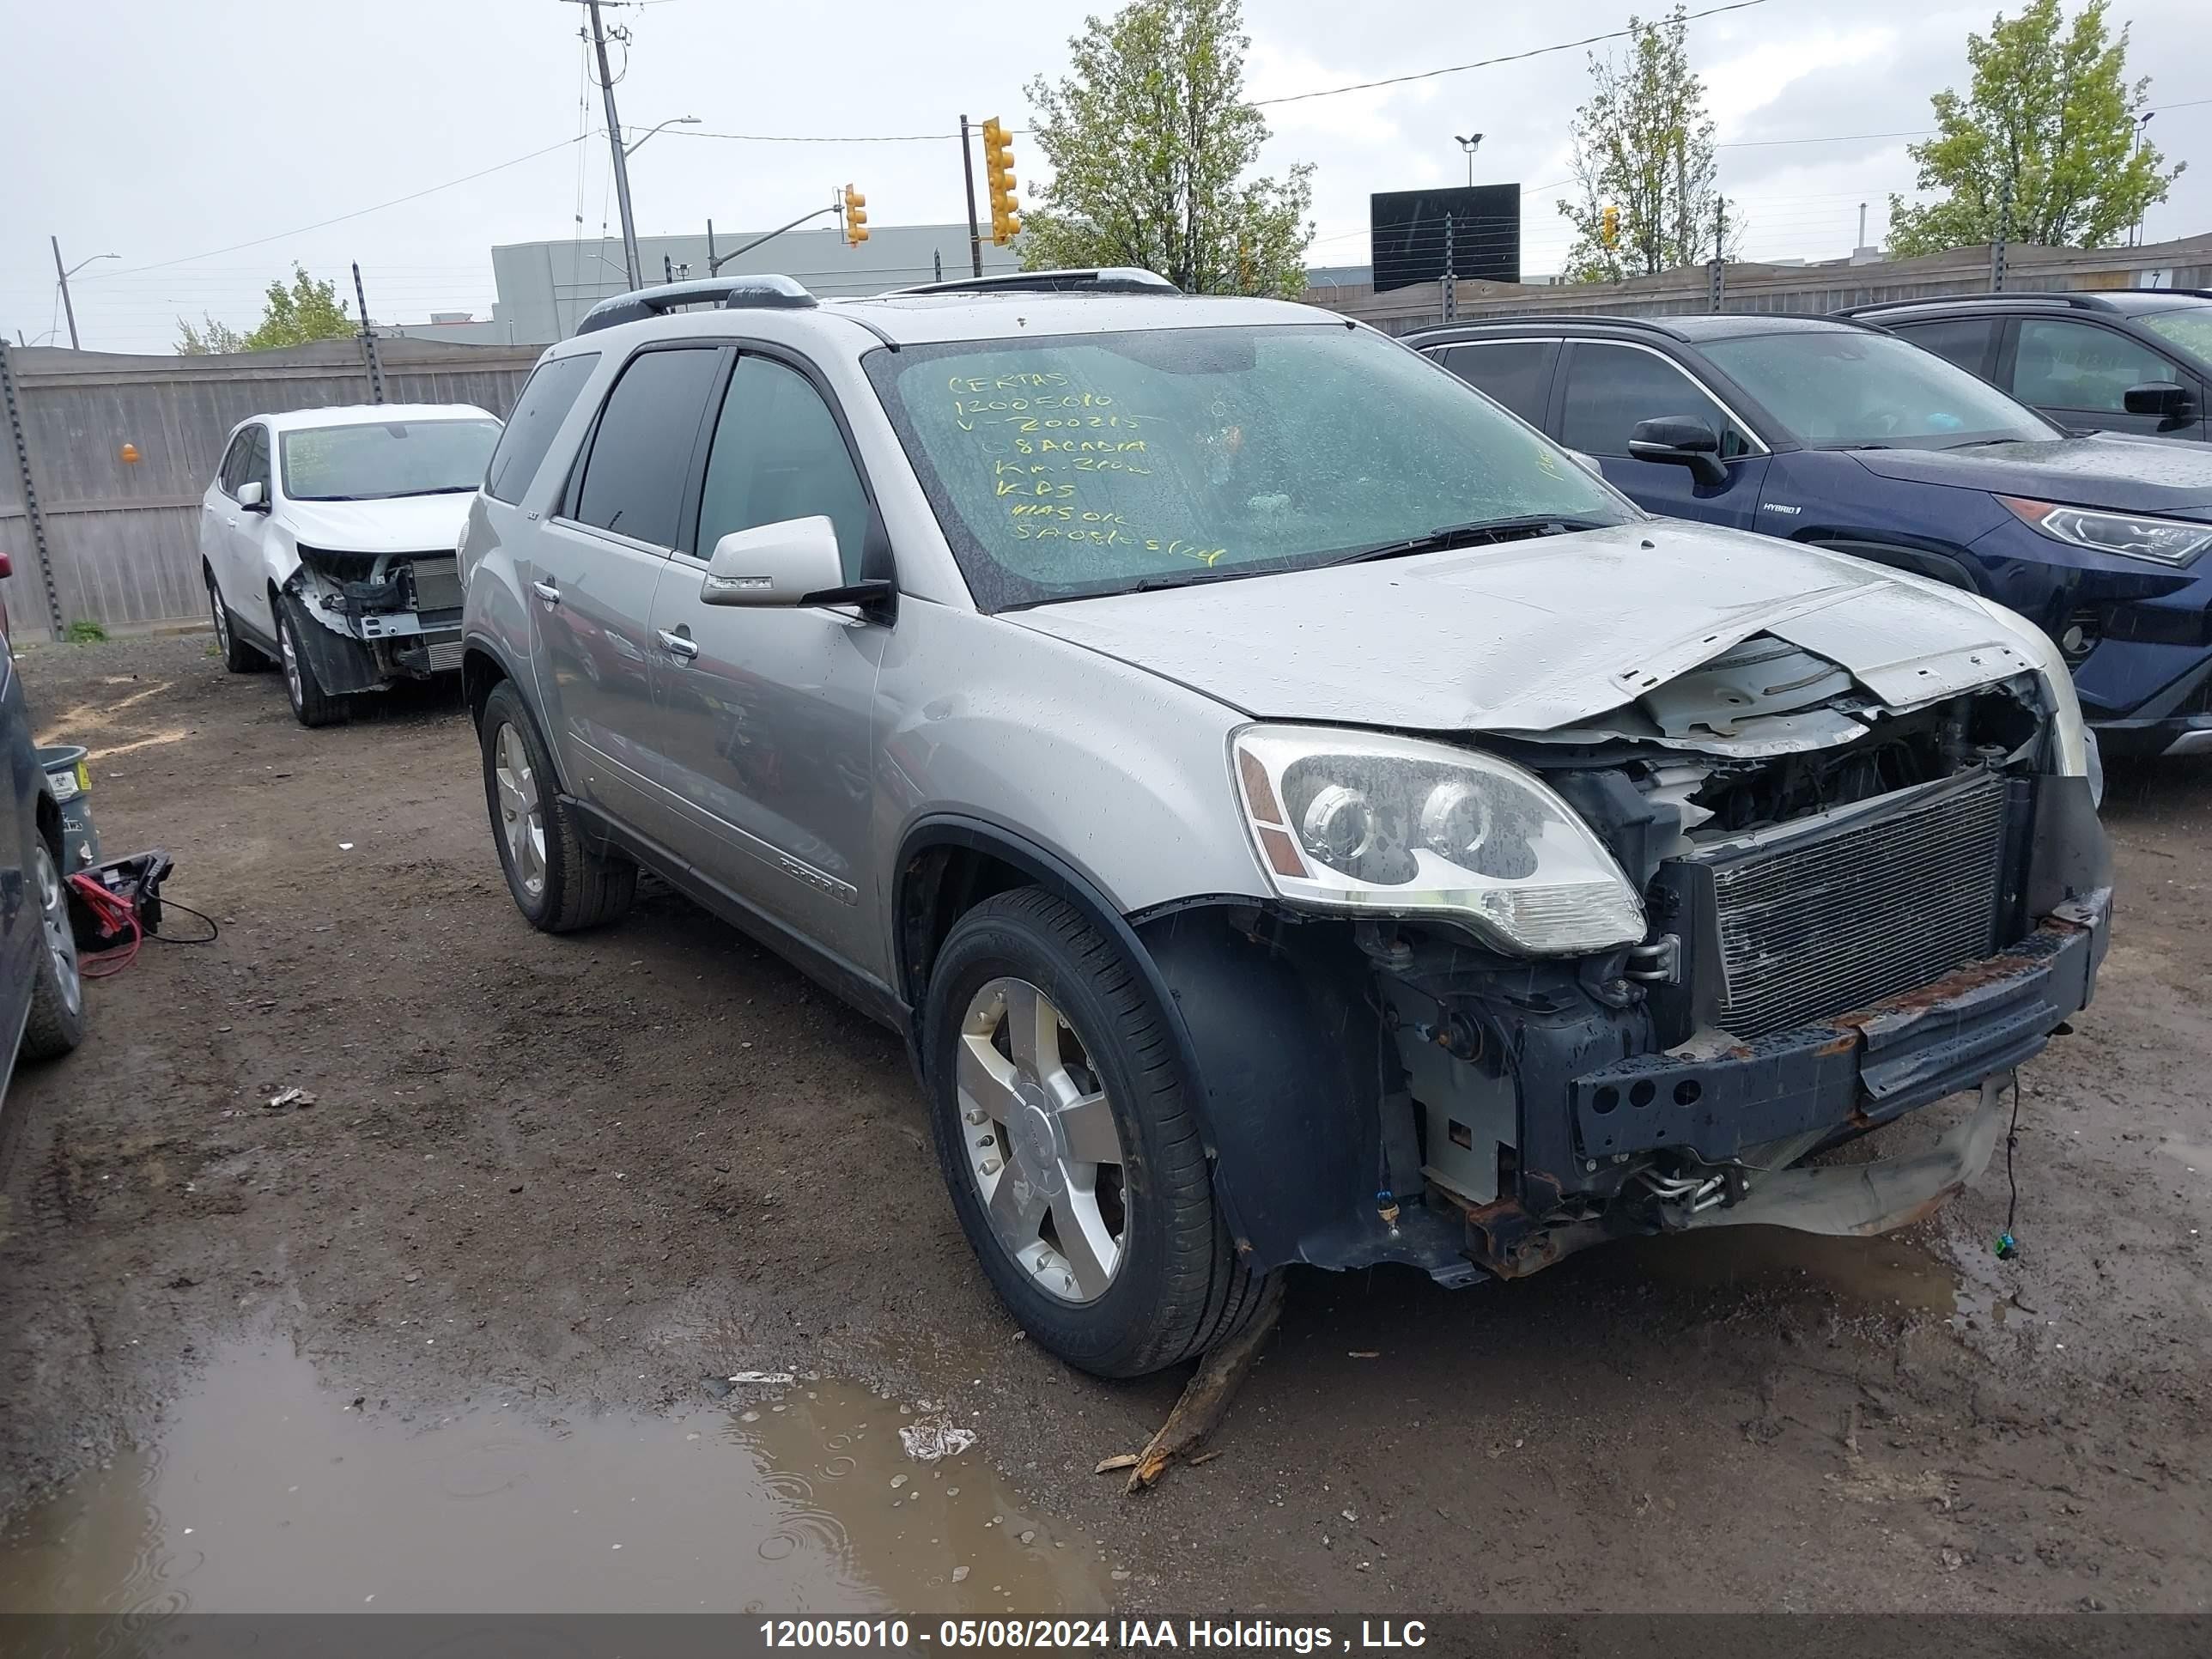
[[210, 338], [291, 315], [2050, 112], [1643, 146], [1149, 138]]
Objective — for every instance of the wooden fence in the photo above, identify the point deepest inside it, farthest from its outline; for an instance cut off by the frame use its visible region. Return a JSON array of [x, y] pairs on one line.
[[96, 535]]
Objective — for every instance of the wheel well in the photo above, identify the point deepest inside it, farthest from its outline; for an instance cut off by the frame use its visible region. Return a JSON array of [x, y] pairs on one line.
[[480, 672], [1936, 564], [937, 885]]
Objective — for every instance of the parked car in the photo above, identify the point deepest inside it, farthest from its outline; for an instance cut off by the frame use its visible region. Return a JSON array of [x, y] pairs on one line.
[[2120, 359], [327, 543], [1293, 811], [1838, 435], [41, 997]]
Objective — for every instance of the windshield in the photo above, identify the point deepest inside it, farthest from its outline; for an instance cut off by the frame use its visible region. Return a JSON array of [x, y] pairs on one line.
[[393, 457], [2188, 327], [1845, 389], [1078, 465]]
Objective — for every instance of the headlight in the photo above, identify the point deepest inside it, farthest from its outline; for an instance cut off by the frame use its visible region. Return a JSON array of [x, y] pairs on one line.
[[2164, 541], [1362, 822]]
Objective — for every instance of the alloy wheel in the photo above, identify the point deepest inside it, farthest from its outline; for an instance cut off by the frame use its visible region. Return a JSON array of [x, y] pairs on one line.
[[521, 809], [1043, 1146], [54, 924], [291, 663], [221, 618]]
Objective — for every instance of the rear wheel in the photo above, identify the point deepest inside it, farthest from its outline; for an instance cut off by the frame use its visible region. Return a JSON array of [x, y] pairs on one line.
[[238, 656], [312, 706], [557, 881], [1066, 1139], [57, 1021]]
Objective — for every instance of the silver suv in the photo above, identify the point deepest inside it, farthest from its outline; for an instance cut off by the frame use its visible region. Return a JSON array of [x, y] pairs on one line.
[[1293, 811]]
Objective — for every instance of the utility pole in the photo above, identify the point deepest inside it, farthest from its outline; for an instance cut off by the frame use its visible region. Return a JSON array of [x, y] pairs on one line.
[[630, 264], [368, 341], [968, 173], [64, 275]]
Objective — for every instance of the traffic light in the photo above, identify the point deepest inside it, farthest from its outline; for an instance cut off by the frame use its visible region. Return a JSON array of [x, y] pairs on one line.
[[856, 217], [999, 170], [1608, 220]]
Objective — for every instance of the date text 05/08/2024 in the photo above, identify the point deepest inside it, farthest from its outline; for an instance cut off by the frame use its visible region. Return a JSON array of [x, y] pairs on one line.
[[1046, 1635]]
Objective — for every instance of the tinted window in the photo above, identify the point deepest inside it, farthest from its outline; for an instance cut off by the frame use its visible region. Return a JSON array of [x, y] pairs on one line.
[[1611, 387], [544, 403], [777, 454], [1067, 465], [1515, 372], [1843, 388], [634, 481], [2064, 365], [1961, 340]]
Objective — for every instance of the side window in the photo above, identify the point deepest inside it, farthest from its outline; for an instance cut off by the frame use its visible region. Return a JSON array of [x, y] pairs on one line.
[[633, 481], [257, 462], [778, 454], [545, 402], [1611, 387], [233, 472], [1516, 372], [1964, 340], [2065, 364]]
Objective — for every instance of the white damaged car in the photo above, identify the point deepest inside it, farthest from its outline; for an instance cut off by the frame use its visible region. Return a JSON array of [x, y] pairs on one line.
[[327, 542]]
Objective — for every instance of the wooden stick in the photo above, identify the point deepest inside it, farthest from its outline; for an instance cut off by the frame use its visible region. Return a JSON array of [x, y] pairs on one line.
[[1205, 1399]]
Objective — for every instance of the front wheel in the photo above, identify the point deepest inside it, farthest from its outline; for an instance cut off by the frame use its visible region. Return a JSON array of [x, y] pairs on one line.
[[312, 706], [1066, 1138]]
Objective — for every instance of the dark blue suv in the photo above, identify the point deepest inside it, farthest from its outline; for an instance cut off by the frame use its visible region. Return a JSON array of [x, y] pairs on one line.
[[1836, 434]]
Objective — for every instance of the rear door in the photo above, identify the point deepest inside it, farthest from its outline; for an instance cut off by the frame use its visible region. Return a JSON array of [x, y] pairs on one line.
[[1969, 342], [1606, 386], [767, 712], [594, 564], [1516, 372], [2078, 373]]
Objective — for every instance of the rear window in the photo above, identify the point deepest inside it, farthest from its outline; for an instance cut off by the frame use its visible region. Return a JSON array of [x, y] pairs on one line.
[[544, 403]]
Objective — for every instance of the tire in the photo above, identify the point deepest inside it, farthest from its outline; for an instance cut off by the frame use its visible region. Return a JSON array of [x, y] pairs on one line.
[[55, 1024], [312, 706], [558, 884], [1176, 1287], [238, 656]]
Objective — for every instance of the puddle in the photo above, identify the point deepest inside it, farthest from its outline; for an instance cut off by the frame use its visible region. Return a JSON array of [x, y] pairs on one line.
[[1885, 1273], [265, 1494]]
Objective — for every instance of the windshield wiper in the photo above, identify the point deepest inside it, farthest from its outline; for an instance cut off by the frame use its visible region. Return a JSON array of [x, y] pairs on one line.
[[1481, 533]]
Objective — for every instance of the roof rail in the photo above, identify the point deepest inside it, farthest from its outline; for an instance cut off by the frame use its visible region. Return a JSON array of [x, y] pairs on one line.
[[759, 293], [2084, 300], [1101, 279], [1657, 324]]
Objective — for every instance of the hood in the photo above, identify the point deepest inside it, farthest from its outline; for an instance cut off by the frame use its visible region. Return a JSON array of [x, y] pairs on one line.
[[408, 524], [2127, 474], [1534, 636]]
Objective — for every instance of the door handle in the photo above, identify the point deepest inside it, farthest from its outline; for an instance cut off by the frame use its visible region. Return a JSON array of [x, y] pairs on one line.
[[547, 592], [234, 523], [678, 645]]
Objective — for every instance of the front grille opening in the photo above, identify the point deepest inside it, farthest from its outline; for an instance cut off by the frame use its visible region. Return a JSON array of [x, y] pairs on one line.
[[1818, 925]]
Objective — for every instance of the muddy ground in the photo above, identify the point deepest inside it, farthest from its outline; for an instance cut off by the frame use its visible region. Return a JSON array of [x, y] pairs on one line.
[[577, 1177]]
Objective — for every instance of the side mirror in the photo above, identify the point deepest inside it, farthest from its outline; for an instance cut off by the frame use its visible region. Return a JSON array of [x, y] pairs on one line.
[[252, 497], [792, 562], [2164, 398], [1680, 440]]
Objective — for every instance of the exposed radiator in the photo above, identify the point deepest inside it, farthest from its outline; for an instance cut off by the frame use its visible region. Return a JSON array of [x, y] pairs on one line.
[[1845, 915]]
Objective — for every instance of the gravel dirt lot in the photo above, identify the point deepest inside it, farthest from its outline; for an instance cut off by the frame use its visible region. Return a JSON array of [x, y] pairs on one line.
[[586, 1174]]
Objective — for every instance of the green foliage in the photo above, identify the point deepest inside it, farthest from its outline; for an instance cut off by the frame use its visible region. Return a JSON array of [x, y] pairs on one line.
[[1149, 138], [1644, 143], [2051, 109], [85, 631], [292, 314]]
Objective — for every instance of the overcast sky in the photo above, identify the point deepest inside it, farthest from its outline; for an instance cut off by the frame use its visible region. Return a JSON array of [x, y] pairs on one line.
[[167, 134]]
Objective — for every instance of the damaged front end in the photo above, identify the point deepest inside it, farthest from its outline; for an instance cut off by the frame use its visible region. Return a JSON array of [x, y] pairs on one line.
[[1840, 907], [377, 616]]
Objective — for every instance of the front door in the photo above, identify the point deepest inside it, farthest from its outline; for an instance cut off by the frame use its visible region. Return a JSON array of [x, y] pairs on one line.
[[2079, 372], [765, 714], [591, 574], [246, 586], [1609, 386]]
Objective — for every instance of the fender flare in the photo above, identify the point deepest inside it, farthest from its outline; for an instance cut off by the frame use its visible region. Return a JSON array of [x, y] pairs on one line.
[[475, 641], [1941, 561]]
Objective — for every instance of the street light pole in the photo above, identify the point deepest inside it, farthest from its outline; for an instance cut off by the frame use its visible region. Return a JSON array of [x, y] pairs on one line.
[[68, 306], [1470, 143], [672, 121], [2141, 121], [630, 266]]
